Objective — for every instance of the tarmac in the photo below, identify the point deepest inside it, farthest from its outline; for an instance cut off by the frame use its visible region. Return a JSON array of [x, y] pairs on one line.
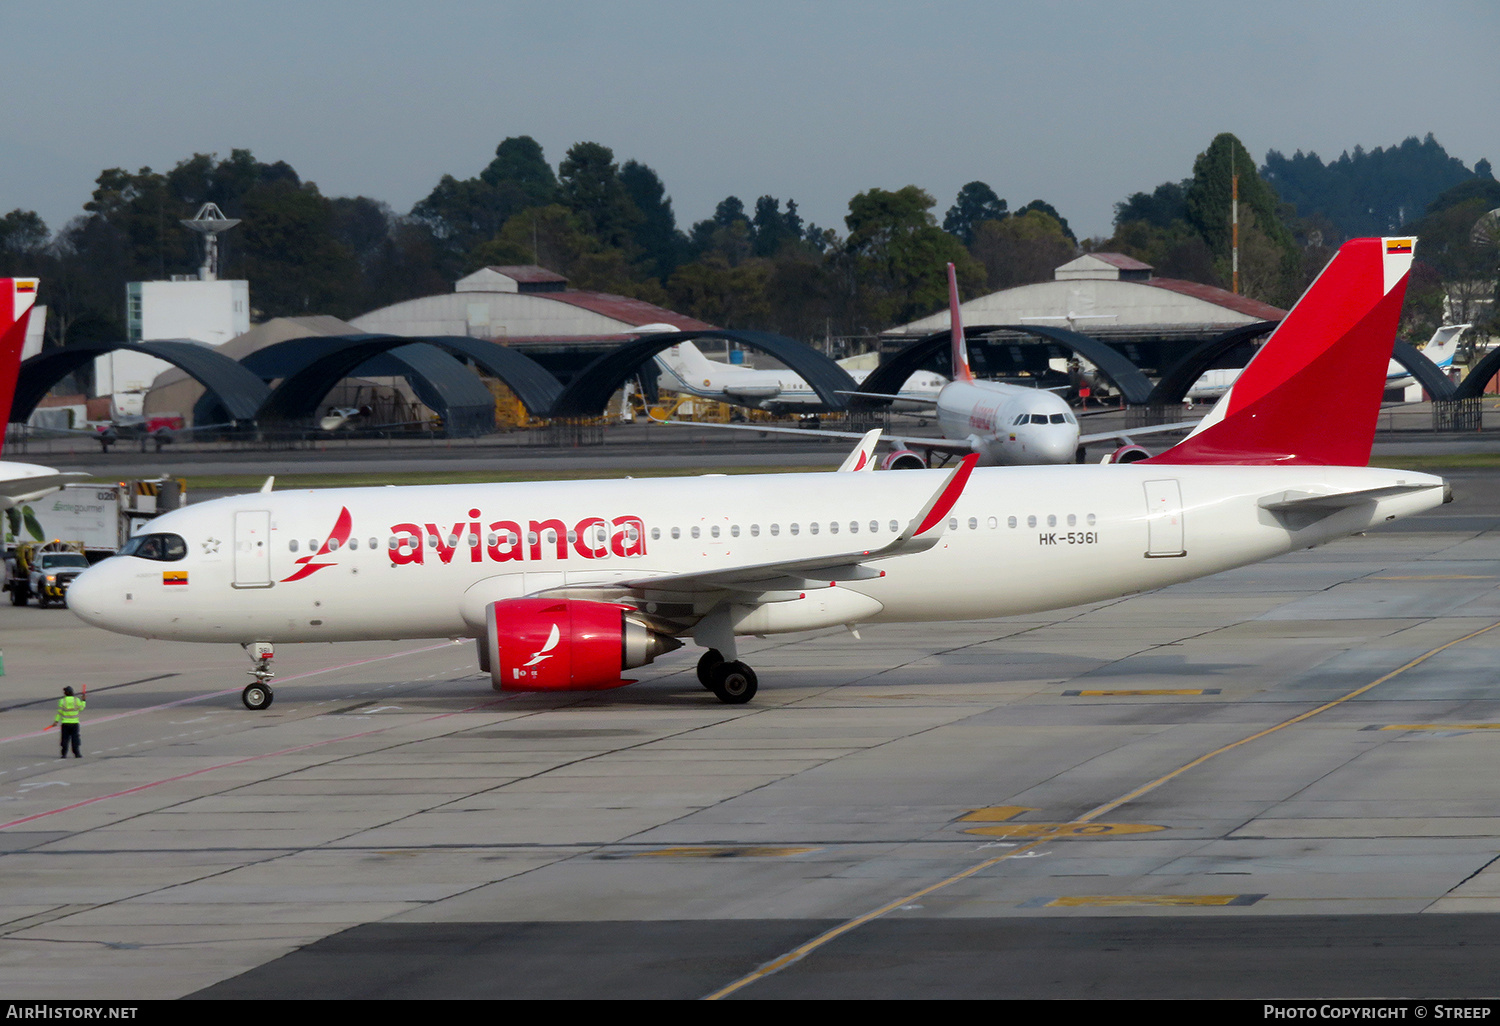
[[1278, 782]]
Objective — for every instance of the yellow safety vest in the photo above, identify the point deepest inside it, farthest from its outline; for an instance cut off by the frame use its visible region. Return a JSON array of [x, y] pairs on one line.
[[68, 708]]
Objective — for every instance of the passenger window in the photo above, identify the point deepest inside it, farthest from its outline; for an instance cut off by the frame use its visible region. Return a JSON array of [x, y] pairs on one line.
[[953, 523], [473, 541], [775, 530], [432, 541], [354, 543], [1072, 520], [734, 531], [973, 523], [755, 530], [292, 545], [854, 527], [1051, 520], [374, 544], [714, 530], [655, 534], [812, 528], [1031, 521], [994, 523], [676, 533], [895, 527], [793, 529], [874, 526], [833, 527], [696, 532], [1010, 521], [1091, 520]]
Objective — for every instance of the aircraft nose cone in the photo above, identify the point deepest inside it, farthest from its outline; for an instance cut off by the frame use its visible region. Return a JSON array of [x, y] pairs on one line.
[[87, 593]]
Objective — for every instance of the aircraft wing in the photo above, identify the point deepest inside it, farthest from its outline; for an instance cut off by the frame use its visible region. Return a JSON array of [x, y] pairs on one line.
[[958, 446], [924, 530], [15, 490], [1127, 434], [931, 400]]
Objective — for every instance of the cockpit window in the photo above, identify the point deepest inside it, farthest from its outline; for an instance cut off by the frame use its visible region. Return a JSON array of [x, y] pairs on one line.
[[1023, 418], [165, 548], [1039, 418], [1058, 418]]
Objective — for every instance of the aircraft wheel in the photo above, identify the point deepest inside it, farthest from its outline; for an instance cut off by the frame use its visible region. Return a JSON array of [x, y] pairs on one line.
[[734, 683], [706, 663], [257, 696]]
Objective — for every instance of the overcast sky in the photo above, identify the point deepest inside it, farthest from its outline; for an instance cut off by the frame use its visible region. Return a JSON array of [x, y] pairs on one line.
[[1079, 104]]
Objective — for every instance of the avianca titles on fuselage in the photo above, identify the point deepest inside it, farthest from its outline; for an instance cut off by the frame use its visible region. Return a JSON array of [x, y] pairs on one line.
[[565, 585]]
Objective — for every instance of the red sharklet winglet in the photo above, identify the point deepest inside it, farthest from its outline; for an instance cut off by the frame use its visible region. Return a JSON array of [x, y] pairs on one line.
[[17, 295], [945, 499], [342, 528], [1312, 394], [961, 371]]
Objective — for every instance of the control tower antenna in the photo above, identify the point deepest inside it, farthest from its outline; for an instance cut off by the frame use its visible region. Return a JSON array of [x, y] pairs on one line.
[[209, 223]]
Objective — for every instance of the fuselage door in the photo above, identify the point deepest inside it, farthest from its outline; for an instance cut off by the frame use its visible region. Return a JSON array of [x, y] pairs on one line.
[[1164, 520], [252, 549]]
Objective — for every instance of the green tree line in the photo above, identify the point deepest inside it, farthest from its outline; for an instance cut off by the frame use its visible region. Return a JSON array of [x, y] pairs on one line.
[[609, 226]]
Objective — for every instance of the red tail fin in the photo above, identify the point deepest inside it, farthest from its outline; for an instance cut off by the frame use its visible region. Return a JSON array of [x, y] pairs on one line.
[[961, 370], [16, 298], [1312, 393]]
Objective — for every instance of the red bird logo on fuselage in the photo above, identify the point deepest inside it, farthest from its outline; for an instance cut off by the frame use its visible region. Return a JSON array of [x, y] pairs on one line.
[[309, 565]]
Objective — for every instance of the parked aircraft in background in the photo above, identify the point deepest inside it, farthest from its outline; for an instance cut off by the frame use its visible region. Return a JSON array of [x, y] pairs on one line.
[[1440, 349], [684, 368], [19, 482], [565, 585], [1005, 425]]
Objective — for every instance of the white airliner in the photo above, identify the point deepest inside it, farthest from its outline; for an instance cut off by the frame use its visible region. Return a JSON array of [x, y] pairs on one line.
[[684, 368], [1005, 425], [19, 482], [565, 585], [1440, 349]]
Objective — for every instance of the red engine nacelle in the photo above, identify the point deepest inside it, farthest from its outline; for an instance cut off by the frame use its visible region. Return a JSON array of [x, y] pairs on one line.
[[565, 645], [903, 459], [1128, 454]]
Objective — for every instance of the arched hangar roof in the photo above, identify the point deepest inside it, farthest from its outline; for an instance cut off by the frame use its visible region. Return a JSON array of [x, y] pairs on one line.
[[342, 355], [310, 368], [237, 389], [588, 393], [1174, 384], [1127, 377]]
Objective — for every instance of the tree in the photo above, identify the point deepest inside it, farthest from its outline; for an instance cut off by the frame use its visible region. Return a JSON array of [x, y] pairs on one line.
[[1022, 249], [519, 162], [656, 234], [591, 188], [294, 262], [1160, 208], [1050, 211], [976, 202], [1208, 201], [901, 254]]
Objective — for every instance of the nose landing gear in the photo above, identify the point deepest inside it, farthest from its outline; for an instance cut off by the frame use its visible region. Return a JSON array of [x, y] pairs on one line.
[[259, 695]]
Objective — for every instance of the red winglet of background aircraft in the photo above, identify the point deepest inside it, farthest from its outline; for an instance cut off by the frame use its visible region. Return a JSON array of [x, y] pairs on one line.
[[961, 371], [16, 298], [1312, 394]]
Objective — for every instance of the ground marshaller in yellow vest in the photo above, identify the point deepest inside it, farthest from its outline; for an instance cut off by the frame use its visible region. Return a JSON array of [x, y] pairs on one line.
[[68, 708]]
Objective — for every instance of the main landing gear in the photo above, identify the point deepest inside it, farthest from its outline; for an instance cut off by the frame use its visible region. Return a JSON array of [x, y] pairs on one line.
[[259, 695], [731, 681]]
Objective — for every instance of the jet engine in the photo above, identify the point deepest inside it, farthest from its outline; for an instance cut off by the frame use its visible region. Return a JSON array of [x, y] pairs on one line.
[[565, 644], [1127, 454], [903, 459]]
